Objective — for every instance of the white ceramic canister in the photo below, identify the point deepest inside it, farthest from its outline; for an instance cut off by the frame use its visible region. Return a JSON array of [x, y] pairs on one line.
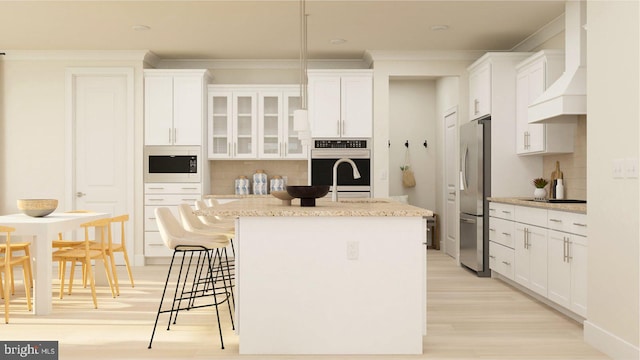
[[242, 185], [260, 183], [276, 183]]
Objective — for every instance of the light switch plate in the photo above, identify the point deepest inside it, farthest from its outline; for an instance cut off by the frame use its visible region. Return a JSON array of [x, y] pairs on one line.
[[631, 168], [618, 168]]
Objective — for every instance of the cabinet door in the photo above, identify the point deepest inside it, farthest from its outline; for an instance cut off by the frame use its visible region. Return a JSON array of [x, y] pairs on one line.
[[158, 110], [480, 91], [324, 106], [578, 258], [245, 127], [293, 148], [559, 276], [270, 124], [537, 247], [187, 110], [356, 106], [522, 103], [522, 260], [536, 86], [220, 125]]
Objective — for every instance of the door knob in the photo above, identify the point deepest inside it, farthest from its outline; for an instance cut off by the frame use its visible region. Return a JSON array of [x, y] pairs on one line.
[[80, 194]]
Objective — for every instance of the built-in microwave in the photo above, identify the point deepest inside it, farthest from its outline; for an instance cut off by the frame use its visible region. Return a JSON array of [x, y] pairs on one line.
[[172, 164]]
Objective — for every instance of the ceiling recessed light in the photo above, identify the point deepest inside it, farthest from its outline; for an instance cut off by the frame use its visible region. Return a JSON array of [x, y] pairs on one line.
[[337, 41], [439, 27], [140, 27]]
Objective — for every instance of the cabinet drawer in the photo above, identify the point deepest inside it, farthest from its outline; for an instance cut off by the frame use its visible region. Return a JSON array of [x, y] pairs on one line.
[[154, 246], [501, 259], [567, 222], [172, 188], [171, 199], [501, 231], [530, 215], [150, 223], [500, 210]]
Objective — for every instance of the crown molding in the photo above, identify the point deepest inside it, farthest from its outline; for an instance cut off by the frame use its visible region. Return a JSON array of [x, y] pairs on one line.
[[260, 64], [553, 28], [372, 56], [57, 55]]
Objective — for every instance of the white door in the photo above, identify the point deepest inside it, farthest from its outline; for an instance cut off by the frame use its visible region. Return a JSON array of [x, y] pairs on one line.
[[101, 153], [451, 181]]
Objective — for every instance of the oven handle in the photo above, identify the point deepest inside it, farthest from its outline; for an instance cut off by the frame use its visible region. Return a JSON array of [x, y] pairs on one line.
[[340, 153]]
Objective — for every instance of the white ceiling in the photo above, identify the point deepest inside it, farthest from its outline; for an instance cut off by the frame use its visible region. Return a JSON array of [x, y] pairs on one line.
[[269, 29]]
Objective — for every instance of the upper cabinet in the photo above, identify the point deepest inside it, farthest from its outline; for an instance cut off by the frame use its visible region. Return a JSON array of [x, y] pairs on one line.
[[480, 90], [174, 106], [341, 103], [253, 122], [533, 76]]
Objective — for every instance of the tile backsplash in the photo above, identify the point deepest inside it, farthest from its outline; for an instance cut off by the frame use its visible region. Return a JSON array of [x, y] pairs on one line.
[[573, 165], [224, 172]]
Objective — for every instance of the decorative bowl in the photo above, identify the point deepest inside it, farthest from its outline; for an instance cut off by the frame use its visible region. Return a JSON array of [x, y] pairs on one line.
[[282, 195], [37, 207], [308, 194]]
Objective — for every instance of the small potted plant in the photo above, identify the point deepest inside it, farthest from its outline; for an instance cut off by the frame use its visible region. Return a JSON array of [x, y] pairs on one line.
[[540, 193]]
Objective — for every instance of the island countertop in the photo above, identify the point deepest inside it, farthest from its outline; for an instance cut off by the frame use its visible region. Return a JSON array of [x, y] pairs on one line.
[[270, 206]]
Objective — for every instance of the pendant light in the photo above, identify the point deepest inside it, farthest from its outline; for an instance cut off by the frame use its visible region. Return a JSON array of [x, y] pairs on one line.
[[301, 116]]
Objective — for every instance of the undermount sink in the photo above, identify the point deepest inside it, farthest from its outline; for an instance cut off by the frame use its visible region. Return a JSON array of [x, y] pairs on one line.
[[561, 201]]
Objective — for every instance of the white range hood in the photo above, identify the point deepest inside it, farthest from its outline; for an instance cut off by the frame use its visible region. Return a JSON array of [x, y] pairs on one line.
[[566, 98]]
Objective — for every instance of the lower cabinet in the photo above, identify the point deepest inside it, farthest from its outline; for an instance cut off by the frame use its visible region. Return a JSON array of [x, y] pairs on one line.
[[530, 250], [568, 271], [544, 251], [168, 195]]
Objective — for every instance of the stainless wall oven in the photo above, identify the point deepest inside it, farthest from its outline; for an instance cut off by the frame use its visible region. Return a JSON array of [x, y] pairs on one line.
[[172, 164], [324, 155]]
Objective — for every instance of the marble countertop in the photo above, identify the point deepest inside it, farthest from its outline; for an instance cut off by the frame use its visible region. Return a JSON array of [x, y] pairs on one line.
[[571, 207], [270, 206]]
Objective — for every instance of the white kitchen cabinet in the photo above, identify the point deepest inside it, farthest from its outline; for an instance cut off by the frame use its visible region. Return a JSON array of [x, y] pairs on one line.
[[534, 75], [253, 122], [480, 90], [168, 195], [530, 250], [174, 106], [568, 261], [341, 103], [546, 254]]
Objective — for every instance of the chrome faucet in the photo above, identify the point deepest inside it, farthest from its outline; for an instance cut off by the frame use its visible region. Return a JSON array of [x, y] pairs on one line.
[[356, 175]]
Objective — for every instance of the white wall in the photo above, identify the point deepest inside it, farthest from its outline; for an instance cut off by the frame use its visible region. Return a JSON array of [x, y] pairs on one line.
[[32, 126], [412, 112], [612, 133]]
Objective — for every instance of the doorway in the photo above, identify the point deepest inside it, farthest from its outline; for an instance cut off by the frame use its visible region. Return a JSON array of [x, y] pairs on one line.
[[99, 149]]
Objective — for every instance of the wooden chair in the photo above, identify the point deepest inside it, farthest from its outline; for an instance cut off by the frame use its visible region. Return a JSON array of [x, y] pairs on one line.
[[115, 247], [84, 255], [9, 262]]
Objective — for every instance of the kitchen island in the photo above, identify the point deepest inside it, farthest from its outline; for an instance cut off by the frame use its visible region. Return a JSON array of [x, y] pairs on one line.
[[345, 277]]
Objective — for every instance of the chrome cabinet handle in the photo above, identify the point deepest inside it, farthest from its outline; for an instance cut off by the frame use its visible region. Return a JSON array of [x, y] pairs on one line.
[[151, 199], [80, 194], [506, 233], [189, 188], [156, 188], [564, 249], [490, 229], [555, 220], [169, 135], [175, 135], [491, 257], [506, 263], [475, 106], [569, 257], [579, 224], [506, 212]]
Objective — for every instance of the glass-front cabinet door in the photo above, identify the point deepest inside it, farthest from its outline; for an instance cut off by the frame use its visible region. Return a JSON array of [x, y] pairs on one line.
[[245, 125], [220, 125], [293, 148], [270, 122]]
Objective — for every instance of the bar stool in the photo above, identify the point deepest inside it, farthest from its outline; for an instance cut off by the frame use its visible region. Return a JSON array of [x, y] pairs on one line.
[[216, 222], [205, 281]]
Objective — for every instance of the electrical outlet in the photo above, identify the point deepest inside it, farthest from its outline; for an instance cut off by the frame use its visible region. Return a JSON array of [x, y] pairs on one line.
[[618, 168], [353, 251], [631, 168]]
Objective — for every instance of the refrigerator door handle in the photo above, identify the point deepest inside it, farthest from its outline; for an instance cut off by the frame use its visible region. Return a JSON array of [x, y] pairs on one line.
[[463, 171], [468, 221]]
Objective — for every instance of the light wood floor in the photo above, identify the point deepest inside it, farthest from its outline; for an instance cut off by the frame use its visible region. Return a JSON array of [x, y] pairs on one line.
[[468, 318]]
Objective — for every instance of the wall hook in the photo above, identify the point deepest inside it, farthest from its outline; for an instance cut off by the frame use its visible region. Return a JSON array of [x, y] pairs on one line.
[[406, 144], [388, 143], [424, 144]]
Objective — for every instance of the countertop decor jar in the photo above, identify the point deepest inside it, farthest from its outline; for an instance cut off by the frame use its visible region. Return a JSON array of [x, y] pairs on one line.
[[242, 185], [260, 183], [276, 183]]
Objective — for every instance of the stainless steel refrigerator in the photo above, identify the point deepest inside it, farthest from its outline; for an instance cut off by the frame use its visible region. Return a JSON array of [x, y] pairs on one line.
[[475, 187]]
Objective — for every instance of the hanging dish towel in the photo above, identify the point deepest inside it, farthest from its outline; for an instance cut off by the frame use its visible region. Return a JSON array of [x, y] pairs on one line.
[[408, 179]]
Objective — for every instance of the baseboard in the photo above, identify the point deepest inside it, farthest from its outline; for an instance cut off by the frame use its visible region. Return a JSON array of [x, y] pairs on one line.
[[609, 343]]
